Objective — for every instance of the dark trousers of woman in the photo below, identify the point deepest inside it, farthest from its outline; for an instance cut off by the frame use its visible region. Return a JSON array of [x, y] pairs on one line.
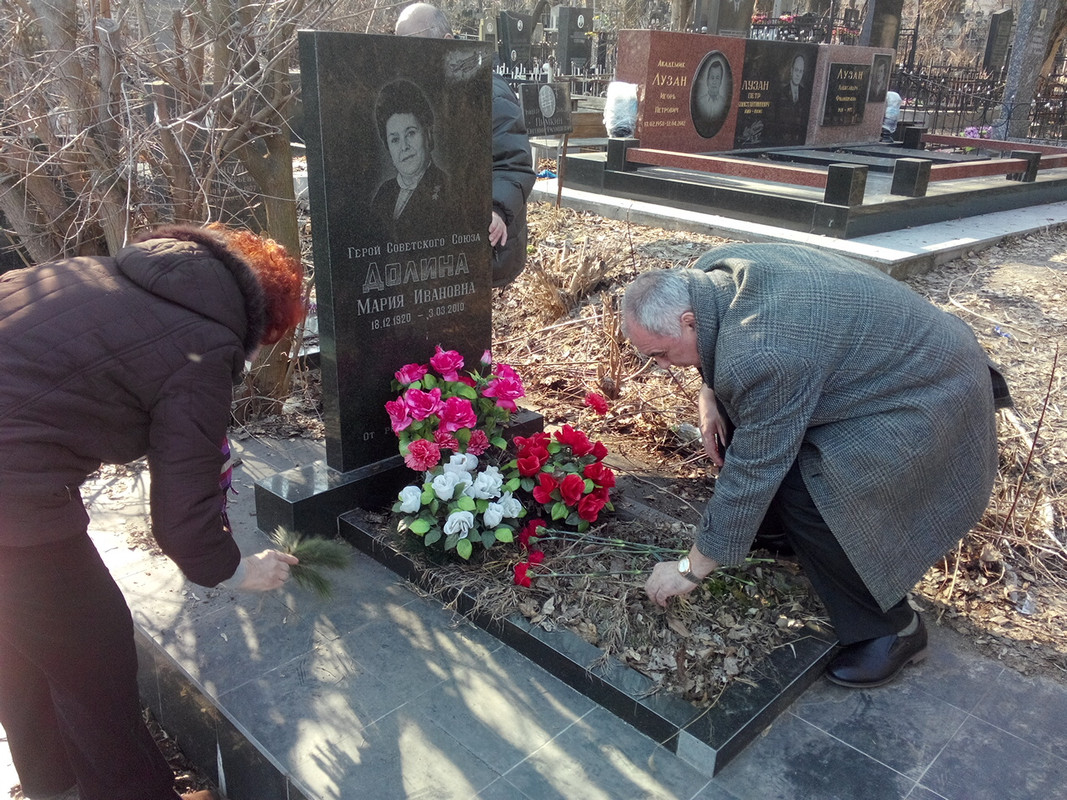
[[855, 614], [68, 678]]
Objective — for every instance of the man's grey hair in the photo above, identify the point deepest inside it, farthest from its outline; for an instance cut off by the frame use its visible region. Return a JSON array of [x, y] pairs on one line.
[[655, 301], [423, 20]]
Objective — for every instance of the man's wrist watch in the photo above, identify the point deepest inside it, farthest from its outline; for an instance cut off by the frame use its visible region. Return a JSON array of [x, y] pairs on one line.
[[684, 571]]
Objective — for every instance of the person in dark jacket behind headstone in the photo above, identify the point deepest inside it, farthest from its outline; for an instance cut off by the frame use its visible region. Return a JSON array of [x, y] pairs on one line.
[[106, 360], [847, 414], [513, 175]]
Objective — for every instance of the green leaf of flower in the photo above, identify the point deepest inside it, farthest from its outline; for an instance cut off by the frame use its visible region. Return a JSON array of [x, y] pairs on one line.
[[464, 548], [559, 510], [463, 390], [432, 537], [499, 442], [429, 381], [427, 494], [419, 526], [465, 503], [513, 484], [488, 539], [481, 504], [505, 534]]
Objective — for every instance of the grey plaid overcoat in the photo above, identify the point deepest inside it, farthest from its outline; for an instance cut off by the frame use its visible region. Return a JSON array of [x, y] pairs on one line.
[[886, 399]]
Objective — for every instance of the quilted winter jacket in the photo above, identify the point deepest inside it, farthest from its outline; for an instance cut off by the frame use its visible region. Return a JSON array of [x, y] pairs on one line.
[[886, 400], [513, 180], [105, 360]]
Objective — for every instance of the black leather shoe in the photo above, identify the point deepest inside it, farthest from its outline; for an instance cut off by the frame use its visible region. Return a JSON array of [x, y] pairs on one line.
[[875, 662]]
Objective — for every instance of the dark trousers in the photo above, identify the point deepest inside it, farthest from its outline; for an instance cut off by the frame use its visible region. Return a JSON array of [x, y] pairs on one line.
[[68, 678], [855, 614]]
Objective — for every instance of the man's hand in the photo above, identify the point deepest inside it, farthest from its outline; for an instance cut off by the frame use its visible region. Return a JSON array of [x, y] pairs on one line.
[[266, 571], [712, 426], [666, 581], [498, 231]]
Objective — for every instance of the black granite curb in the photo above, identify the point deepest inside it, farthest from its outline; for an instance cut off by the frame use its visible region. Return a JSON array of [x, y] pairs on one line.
[[705, 738]]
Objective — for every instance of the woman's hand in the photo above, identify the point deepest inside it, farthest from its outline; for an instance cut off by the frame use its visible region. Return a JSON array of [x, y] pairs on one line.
[[712, 426], [498, 231], [266, 571]]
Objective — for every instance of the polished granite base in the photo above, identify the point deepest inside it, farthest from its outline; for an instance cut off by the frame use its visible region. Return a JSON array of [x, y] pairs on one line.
[[705, 738]]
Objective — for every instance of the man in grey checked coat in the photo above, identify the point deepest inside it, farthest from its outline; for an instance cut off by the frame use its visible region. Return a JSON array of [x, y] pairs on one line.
[[845, 412]]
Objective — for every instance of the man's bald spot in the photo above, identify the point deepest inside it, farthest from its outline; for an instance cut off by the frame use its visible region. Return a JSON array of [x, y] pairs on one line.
[[423, 20]]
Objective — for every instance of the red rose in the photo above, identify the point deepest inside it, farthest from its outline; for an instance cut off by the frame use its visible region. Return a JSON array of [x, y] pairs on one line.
[[422, 455], [521, 579], [600, 474], [528, 465], [571, 489], [543, 492], [599, 451], [589, 507], [597, 402], [577, 441], [447, 362]]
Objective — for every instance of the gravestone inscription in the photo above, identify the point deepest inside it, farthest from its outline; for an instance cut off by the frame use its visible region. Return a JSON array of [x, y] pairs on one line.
[[399, 185], [846, 94]]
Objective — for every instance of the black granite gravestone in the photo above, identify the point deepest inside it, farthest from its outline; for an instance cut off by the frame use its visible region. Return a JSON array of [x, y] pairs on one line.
[[399, 186], [776, 90], [546, 108], [573, 43], [515, 32], [996, 46], [399, 170]]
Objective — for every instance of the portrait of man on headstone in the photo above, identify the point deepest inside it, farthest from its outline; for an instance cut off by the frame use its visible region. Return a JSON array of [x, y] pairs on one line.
[[880, 68], [709, 101], [414, 191], [792, 101]]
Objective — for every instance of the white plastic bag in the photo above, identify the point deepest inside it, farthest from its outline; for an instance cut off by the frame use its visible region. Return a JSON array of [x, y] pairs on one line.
[[620, 109]]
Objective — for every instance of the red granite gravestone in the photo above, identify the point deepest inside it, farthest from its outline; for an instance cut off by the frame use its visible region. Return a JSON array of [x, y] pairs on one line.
[[706, 94]]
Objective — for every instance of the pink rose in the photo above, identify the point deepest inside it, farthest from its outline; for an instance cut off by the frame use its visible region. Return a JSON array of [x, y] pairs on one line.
[[506, 391], [447, 362], [409, 373], [398, 415], [457, 413], [422, 404], [422, 455]]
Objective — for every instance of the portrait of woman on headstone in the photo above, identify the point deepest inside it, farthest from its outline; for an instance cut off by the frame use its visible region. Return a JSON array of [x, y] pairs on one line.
[[712, 92], [411, 200]]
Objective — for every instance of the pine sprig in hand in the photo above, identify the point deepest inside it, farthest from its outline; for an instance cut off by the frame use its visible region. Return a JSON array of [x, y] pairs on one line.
[[313, 552]]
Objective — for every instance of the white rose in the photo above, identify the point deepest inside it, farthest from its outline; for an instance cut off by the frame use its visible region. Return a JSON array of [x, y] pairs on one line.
[[410, 499], [461, 463], [459, 522], [486, 484], [509, 506], [493, 514], [444, 485]]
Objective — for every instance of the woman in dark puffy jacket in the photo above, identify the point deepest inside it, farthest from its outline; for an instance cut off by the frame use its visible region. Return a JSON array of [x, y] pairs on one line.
[[105, 360]]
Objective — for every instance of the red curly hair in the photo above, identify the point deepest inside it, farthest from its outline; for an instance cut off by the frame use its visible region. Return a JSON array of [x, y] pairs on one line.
[[279, 274]]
